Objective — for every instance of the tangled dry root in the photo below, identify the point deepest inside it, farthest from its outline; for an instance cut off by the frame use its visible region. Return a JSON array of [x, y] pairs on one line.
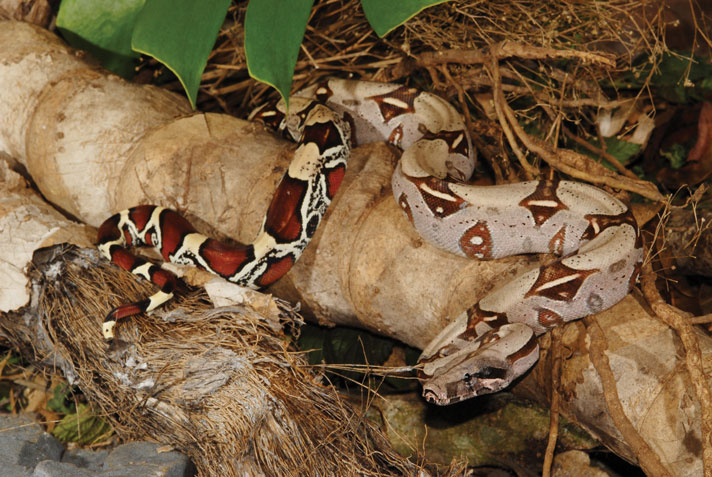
[[222, 385]]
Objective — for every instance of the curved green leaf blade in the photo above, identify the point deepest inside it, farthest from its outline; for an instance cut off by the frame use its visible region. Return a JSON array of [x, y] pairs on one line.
[[273, 33], [61, 400], [180, 34], [83, 427], [103, 28], [385, 15]]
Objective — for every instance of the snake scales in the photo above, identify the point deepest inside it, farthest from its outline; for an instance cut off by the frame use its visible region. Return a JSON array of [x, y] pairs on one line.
[[483, 350]]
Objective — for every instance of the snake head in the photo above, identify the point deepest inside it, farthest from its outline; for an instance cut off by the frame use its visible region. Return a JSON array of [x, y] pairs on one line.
[[466, 369]]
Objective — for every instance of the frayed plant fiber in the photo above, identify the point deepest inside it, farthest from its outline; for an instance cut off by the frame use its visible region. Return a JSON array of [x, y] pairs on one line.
[[221, 385]]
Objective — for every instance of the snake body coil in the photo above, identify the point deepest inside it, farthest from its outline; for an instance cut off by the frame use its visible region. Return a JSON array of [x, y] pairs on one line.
[[494, 342]]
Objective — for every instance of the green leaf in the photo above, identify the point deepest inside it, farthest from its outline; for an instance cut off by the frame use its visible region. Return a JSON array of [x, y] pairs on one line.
[[385, 15], [620, 149], [103, 28], [679, 77], [60, 401], [311, 339], [344, 345], [676, 155], [83, 427], [273, 33], [180, 34]]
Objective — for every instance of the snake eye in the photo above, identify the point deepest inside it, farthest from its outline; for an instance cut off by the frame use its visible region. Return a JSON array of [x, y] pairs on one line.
[[488, 373]]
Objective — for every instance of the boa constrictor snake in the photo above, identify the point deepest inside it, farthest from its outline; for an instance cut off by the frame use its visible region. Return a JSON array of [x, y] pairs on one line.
[[494, 342]]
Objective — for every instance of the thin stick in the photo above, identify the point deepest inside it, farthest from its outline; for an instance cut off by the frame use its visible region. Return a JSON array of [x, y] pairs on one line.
[[648, 460], [500, 106], [554, 407], [503, 50], [701, 320], [598, 151], [579, 166], [675, 319]]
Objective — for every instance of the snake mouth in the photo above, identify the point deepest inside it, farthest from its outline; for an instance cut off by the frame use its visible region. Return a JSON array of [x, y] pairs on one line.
[[442, 398], [486, 386], [434, 398]]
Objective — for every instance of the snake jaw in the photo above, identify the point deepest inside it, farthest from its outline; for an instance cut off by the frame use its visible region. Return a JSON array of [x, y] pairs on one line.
[[433, 397], [471, 378], [479, 367]]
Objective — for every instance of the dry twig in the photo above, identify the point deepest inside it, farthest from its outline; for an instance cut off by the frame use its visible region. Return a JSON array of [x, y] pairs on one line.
[[556, 346], [500, 105], [648, 460], [573, 163], [222, 385], [508, 49], [680, 322]]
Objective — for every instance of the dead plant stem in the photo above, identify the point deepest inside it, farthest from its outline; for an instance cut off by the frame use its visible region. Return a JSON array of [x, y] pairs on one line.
[[500, 106], [648, 460], [676, 319], [600, 152], [554, 407], [508, 49]]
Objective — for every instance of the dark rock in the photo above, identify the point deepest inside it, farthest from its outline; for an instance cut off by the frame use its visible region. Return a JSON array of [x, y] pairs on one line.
[[144, 458], [51, 468], [23, 442], [88, 459], [12, 470], [27, 451]]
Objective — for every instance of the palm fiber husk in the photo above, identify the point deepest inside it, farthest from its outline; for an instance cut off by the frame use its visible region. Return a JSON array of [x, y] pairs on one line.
[[219, 384]]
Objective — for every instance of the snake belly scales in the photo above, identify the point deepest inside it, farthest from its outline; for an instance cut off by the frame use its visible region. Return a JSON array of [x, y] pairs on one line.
[[483, 350]]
